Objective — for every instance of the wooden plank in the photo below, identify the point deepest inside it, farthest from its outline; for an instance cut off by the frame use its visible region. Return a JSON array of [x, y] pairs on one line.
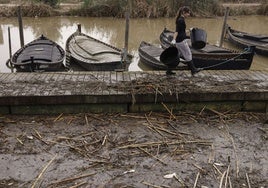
[[132, 77], [99, 89], [258, 75], [107, 80], [113, 82], [119, 76], [14, 77], [113, 77], [60, 76], [232, 75], [126, 76], [7, 77], [3, 75], [45, 84]]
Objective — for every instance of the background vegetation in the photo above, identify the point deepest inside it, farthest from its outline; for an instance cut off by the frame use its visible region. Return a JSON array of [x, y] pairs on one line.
[[138, 8], [167, 8], [52, 3]]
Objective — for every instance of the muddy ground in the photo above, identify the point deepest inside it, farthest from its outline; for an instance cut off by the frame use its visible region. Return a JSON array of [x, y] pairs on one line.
[[204, 149]]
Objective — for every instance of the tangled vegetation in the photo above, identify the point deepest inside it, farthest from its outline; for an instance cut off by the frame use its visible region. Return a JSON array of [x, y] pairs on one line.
[[146, 8], [28, 10], [52, 3], [136, 8]]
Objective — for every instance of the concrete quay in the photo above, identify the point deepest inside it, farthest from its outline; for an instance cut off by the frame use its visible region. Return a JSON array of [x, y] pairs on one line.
[[123, 92]]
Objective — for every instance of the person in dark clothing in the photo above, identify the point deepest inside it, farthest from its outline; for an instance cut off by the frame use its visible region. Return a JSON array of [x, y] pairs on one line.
[[180, 38]]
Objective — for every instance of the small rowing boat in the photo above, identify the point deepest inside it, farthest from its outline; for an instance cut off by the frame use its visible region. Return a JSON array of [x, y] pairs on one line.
[[243, 39], [93, 54], [214, 57], [42, 54]]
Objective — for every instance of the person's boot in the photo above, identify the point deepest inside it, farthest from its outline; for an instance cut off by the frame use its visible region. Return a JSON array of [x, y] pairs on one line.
[[193, 69], [169, 72]]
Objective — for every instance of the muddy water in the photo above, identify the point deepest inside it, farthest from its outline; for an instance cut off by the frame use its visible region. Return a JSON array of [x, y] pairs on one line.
[[112, 31]]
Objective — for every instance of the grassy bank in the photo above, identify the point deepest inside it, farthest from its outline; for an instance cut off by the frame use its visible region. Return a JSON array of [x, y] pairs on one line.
[[137, 8]]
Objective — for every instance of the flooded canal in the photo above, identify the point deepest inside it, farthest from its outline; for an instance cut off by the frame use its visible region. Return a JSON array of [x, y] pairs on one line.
[[112, 31]]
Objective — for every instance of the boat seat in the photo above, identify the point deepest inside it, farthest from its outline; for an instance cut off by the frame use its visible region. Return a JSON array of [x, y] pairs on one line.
[[212, 49], [255, 37], [251, 36], [152, 50], [40, 60], [85, 44]]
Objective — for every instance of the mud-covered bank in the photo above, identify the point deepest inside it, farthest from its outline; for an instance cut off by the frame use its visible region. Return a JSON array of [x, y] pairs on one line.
[[209, 149]]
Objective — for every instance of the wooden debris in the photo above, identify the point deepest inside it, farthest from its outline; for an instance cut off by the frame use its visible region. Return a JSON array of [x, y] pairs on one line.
[[37, 133], [216, 112], [79, 184], [57, 118], [196, 179], [95, 117], [151, 185], [169, 111], [227, 175], [165, 143], [248, 182], [43, 171], [19, 140], [152, 156], [87, 124], [67, 180], [38, 137], [104, 140], [146, 144], [222, 178]]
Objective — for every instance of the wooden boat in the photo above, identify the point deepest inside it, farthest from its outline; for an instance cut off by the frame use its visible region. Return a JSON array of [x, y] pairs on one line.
[[243, 39], [42, 54], [93, 54], [150, 56], [214, 57]]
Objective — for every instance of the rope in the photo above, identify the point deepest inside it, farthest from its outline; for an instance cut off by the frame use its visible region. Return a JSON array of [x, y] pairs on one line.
[[246, 50], [10, 65]]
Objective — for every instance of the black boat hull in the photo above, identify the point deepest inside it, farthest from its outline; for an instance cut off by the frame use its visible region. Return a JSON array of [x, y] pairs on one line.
[[242, 40], [215, 58], [41, 54]]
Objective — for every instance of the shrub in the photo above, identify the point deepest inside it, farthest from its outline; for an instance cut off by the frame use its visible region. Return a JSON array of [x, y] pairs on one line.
[[52, 3]]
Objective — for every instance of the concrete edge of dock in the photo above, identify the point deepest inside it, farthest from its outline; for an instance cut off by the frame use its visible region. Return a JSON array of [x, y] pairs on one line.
[[250, 102], [46, 98]]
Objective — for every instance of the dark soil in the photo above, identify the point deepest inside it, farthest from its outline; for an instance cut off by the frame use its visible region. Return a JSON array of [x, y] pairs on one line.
[[205, 149]]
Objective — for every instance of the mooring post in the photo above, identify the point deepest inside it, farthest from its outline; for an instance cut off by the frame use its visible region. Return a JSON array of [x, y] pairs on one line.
[[9, 43], [224, 25], [126, 36], [10, 49], [79, 28], [20, 27], [266, 113]]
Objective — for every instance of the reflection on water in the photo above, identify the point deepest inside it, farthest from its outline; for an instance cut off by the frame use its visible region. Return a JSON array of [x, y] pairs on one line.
[[112, 31]]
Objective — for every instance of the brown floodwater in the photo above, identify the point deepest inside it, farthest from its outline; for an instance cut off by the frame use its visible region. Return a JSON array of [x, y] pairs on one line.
[[112, 30]]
